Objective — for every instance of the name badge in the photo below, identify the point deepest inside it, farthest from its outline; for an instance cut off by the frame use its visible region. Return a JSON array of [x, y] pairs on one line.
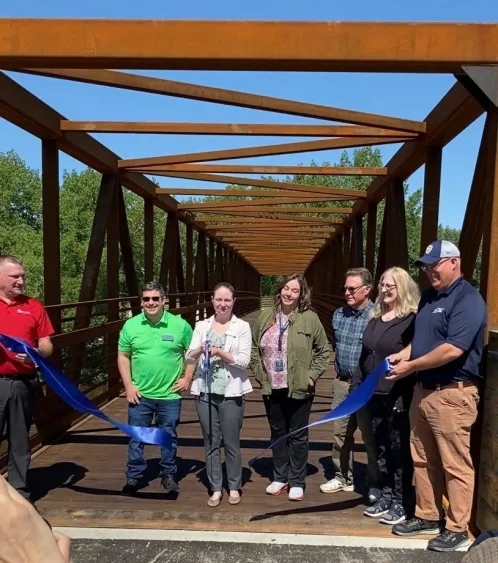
[[279, 364], [168, 337]]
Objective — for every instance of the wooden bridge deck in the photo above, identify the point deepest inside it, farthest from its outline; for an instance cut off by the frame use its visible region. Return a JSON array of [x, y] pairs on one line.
[[78, 480]]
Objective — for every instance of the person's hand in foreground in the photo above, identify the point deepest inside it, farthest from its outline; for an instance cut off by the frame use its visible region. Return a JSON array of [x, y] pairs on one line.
[[24, 536]]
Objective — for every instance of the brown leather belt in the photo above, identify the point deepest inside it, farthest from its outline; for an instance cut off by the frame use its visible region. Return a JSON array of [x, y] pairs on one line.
[[454, 385]]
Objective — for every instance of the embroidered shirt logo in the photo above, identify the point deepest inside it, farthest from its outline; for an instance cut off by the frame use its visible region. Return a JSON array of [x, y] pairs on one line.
[[23, 312], [438, 310]]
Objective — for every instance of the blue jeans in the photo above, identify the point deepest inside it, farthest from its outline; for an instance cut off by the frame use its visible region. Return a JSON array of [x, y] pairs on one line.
[[167, 414]]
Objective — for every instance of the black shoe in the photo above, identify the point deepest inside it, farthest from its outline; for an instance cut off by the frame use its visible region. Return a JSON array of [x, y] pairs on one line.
[[395, 515], [169, 483], [131, 487], [374, 495], [418, 526], [449, 541], [377, 510]]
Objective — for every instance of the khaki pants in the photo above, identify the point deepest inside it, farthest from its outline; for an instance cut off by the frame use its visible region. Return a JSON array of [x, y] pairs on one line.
[[343, 439], [440, 444]]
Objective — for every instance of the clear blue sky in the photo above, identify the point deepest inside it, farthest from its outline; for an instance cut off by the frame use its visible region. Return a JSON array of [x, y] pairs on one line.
[[408, 96]]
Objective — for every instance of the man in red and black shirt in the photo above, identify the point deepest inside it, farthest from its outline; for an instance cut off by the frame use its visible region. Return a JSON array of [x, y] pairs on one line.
[[22, 317]]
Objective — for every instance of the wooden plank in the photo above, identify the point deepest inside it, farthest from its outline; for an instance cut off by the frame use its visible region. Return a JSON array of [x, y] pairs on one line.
[[239, 129], [265, 150], [227, 97], [247, 45]]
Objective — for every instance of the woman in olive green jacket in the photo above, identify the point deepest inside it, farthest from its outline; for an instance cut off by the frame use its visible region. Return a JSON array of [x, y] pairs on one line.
[[290, 352]]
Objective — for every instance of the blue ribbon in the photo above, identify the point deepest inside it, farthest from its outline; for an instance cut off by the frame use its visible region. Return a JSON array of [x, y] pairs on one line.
[[357, 399], [78, 401]]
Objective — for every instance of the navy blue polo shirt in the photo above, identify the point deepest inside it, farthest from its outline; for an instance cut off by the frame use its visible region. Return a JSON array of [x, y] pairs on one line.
[[455, 316]]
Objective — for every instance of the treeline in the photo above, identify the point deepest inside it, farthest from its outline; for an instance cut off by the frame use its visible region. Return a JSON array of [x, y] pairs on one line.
[[21, 219]]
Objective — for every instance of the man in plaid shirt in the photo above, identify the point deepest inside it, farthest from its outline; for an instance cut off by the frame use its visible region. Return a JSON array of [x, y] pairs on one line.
[[348, 324]]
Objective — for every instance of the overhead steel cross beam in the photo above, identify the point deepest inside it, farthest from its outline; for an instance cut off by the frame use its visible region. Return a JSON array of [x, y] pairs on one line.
[[239, 129], [250, 169], [185, 90], [139, 164], [247, 45], [311, 195], [261, 183]]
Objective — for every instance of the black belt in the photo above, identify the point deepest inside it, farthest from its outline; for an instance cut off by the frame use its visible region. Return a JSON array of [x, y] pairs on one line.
[[13, 377]]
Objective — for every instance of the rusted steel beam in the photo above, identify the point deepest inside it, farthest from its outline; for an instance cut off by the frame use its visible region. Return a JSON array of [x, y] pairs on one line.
[[251, 169], [454, 113], [258, 228], [149, 240], [489, 280], [430, 203], [125, 244], [25, 110], [311, 193], [260, 205], [240, 129], [265, 150], [255, 218], [371, 237], [247, 45], [228, 97], [51, 230], [263, 183]]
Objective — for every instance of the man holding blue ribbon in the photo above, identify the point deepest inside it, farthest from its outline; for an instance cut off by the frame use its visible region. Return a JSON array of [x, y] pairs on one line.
[[445, 355], [25, 318], [151, 354]]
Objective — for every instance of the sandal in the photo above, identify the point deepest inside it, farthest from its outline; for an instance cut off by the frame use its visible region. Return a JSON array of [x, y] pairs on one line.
[[234, 500], [214, 502]]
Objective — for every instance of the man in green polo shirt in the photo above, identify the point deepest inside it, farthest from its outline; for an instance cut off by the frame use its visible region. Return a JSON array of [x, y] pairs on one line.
[[151, 352]]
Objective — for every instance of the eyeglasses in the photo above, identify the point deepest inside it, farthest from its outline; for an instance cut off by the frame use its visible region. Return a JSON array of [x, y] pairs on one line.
[[350, 289], [156, 299], [387, 286], [432, 267]]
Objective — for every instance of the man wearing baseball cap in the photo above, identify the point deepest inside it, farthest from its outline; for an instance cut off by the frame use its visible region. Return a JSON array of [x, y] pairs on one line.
[[444, 356]]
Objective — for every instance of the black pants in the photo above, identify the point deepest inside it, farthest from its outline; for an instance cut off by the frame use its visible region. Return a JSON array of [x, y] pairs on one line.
[[290, 456], [17, 399], [391, 430]]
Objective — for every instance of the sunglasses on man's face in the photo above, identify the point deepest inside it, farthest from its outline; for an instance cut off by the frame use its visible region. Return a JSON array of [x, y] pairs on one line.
[[156, 299]]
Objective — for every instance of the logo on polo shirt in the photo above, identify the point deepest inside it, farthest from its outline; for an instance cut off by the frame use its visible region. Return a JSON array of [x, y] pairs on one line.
[[23, 312], [438, 310], [428, 249]]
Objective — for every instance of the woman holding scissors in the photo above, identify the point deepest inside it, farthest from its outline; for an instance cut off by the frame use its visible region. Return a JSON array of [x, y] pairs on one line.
[[223, 344], [290, 352]]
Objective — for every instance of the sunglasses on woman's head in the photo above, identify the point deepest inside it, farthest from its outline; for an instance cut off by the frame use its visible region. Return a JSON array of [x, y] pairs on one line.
[[156, 299]]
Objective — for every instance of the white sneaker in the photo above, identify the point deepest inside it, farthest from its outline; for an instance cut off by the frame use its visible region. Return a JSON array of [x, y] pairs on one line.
[[276, 488], [296, 493], [335, 485]]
